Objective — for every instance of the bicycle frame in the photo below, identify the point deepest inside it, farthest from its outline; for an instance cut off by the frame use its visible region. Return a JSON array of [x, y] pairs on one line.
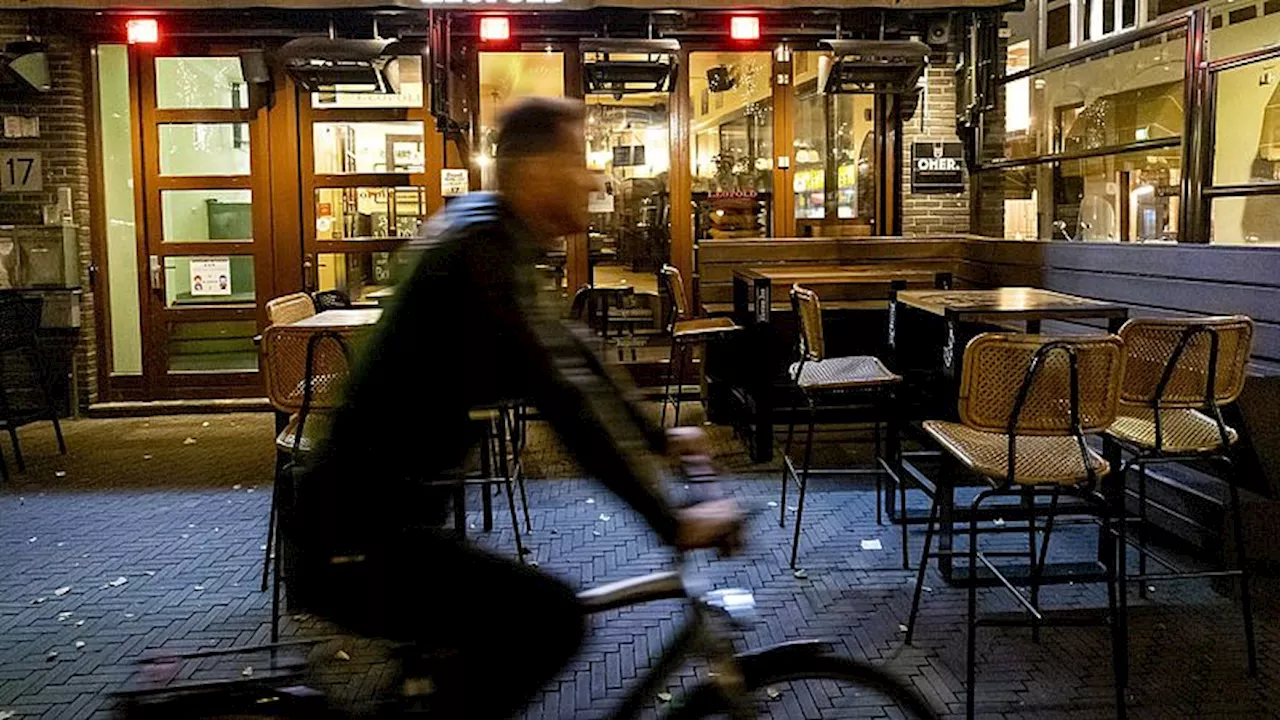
[[701, 635]]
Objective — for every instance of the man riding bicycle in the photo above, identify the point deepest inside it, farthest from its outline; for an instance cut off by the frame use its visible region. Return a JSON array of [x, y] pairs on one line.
[[469, 329]]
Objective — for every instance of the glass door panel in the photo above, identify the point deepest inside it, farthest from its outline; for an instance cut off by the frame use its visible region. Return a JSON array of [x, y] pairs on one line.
[[732, 144], [628, 143]]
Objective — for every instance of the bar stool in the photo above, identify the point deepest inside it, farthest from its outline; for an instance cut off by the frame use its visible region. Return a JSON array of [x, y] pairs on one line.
[[19, 335], [306, 371], [1178, 376], [817, 376], [686, 332], [1026, 404]]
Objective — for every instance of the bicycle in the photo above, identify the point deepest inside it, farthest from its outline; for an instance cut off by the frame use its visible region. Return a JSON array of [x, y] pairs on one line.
[[732, 679]]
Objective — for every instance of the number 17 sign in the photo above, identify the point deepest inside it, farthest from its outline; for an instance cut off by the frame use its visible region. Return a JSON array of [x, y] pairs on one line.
[[20, 171]]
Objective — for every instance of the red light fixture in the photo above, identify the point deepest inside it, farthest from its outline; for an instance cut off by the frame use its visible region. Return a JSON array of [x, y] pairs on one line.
[[744, 27], [142, 31], [495, 28]]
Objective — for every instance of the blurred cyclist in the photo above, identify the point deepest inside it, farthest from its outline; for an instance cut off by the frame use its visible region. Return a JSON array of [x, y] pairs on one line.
[[468, 329]]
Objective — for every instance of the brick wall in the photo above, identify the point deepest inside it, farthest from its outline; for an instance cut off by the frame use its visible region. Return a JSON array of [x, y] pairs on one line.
[[64, 147], [934, 119]]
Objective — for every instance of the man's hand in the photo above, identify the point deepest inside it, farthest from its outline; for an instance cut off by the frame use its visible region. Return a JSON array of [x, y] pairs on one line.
[[713, 524]]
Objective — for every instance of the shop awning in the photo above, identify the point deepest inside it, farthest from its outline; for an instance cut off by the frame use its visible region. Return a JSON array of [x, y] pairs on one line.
[[481, 5]]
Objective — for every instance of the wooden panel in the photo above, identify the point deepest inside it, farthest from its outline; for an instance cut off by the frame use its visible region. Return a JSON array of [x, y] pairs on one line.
[[681, 181], [1255, 266]]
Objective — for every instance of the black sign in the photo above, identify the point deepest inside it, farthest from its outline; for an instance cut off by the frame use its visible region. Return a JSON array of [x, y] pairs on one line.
[[937, 167]]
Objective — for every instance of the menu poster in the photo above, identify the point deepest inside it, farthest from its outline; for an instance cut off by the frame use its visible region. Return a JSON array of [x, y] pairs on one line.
[[454, 182], [210, 276]]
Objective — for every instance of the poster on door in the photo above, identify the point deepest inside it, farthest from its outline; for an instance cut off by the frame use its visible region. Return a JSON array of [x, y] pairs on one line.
[[210, 276]]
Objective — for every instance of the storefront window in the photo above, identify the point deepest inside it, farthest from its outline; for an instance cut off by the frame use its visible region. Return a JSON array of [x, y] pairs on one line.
[[833, 156], [344, 148], [1248, 220], [1133, 94], [732, 137], [1246, 147], [369, 212], [507, 76], [629, 145], [1130, 197], [409, 71]]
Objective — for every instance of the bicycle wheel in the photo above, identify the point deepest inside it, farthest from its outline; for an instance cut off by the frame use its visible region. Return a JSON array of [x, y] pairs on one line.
[[837, 687]]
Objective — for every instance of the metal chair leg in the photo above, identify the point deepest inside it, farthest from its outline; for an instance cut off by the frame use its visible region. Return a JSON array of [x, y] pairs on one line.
[[971, 647], [679, 382], [1122, 583], [804, 483], [4, 465], [1037, 569], [275, 597], [879, 472], [1029, 506], [1246, 601], [1142, 528], [924, 564], [902, 515], [666, 392], [271, 532], [1119, 639], [515, 518], [786, 467]]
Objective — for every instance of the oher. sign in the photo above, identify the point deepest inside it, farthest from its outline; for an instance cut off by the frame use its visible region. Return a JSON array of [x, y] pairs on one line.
[[937, 167]]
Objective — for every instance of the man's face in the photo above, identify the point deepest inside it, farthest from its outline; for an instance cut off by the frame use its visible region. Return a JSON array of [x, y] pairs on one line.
[[559, 183]]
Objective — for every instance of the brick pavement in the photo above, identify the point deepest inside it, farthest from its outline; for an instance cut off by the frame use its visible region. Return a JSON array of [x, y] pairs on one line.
[[189, 542]]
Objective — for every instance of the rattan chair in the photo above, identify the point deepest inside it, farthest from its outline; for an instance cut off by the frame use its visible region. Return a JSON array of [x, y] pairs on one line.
[[306, 371], [288, 309], [1026, 404], [818, 377], [1178, 376], [686, 333]]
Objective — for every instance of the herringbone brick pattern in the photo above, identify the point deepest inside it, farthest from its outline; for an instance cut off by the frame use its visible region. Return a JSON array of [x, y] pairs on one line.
[[188, 542]]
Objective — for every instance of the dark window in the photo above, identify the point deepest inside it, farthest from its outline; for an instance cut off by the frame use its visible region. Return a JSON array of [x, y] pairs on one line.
[[1271, 6], [1058, 29], [1245, 13], [1108, 16]]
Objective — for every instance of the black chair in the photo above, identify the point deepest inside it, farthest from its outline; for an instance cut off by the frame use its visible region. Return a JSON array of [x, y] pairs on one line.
[[19, 337], [331, 300]]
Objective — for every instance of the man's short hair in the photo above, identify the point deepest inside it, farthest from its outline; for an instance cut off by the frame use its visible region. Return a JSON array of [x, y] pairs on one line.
[[535, 126]]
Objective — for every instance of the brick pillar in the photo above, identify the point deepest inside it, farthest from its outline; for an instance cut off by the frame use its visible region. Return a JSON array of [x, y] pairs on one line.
[[64, 147], [934, 119]]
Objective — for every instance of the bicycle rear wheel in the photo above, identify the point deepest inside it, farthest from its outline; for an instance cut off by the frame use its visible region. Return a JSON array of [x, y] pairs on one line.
[[828, 685]]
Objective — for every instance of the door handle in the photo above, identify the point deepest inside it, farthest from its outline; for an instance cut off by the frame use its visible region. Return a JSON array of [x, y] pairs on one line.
[[157, 273], [308, 273]]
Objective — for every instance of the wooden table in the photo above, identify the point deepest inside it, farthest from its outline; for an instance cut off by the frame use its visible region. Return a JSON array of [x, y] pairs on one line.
[[753, 286], [355, 317], [998, 306], [1004, 306]]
